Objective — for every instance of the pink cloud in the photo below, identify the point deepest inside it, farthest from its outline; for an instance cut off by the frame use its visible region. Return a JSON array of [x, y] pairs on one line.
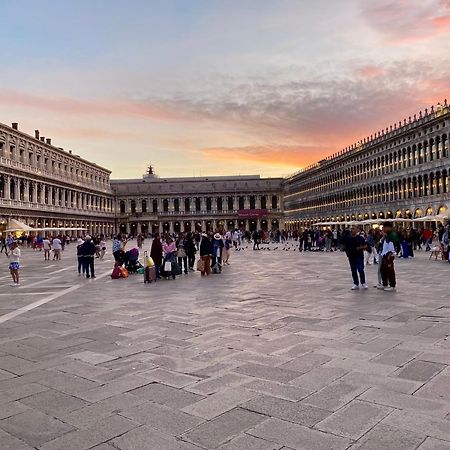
[[407, 21], [369, 71], [72, 106]]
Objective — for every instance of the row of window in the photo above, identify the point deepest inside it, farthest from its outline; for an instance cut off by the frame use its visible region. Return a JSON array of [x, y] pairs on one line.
[[423, 152], [412, 187], [196, 205], [16, 189], [51, 165]]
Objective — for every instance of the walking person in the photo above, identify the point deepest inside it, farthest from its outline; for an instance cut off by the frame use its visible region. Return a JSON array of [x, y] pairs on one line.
[[217, 253], [47, 246], [57, 247], [354, 245], [181, 244], [170, 252], [191, 250], [14, 263], [227, 249], [88, 252], [80, 257], [387, 255], [4, 246], [156, 253], [206, 252], [255, 237]]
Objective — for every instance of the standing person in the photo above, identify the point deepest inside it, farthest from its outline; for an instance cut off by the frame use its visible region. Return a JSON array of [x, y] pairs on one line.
[[47, 246], [217, 253], [118, 247], [102, 247], [255, 237], [387, 257], [140, 240], [191, 250], [39, 241], [355, 245], [87, 249], [57, 246], [182, 244], [227, 249], [369, 252], [4, 246], [80, 256], [170, 251], [14, 263], [206, 251], [156, 253]]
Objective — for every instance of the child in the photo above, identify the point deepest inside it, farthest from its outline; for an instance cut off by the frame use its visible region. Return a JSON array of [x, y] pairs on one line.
[[14, 264]]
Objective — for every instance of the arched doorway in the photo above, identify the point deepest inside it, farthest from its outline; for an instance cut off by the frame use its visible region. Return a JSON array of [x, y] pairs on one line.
[[187, 225], [220, 225], [155, 228], [275, 224], [166, 227], [264, 225], [198, 226], [176, 227], [230, 225], [144, 228], [242, 224], [252, 225], [209, 226]]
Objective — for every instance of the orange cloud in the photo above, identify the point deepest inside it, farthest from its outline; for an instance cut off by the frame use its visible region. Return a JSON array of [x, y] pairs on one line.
[[291, 156]]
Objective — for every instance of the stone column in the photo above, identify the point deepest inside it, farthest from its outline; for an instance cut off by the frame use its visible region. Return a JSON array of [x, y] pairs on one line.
[[35, 189], [26, 191], [7, 179]]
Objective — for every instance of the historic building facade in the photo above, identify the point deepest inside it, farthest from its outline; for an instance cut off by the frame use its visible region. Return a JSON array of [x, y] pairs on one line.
[[45, 186], [153, 204], [401, 172]]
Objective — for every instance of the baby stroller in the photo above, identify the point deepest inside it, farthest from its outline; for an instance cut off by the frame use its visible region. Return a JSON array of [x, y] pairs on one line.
[[131, 259]]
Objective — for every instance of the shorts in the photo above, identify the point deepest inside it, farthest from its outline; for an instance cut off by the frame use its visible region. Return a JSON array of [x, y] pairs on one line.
[[14, 266]]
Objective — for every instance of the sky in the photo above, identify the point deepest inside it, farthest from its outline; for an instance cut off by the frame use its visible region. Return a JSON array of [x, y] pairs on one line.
[[218, 87]]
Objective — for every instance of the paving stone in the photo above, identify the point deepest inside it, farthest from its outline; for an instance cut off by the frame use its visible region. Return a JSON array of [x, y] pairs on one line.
[[34, 427], [247, 442], [174, 379], [318, 378], [434, 444], [354, 420], [414, 422], [408, 402], [437, 389], [11, 409], [298, 436], [145, 437], [16, 365], [267, 373], [335, 395], [84, 417], [296, 412], [83, 370], [98, 432], [167, 395], [383, 437], [162, 418], [223, 428], [20, 391], [395, 357], [216, 384], [8, 442], [53, 402], [420, 370], [306, 362], [220, 402], [280, 390]]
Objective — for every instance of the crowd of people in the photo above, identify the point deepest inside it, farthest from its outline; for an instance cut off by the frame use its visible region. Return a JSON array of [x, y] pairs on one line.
[[209, 252]]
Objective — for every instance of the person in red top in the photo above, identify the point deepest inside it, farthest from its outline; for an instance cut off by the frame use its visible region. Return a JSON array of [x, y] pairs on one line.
[[427, 237]]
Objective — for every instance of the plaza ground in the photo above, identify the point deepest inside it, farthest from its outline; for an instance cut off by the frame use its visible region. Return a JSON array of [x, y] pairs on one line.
[[275, 353]]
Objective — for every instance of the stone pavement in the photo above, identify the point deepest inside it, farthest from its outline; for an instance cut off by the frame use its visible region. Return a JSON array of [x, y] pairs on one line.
[[275, 353]]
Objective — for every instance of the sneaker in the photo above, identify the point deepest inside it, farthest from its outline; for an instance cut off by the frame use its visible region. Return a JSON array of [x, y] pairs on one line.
[[364, 285], [389, 289], [13, 285], [379, 286], [355, 287]]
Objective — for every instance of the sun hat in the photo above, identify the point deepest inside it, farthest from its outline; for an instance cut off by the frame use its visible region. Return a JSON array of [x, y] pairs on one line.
[[204, 235], [87, 238], [217, 236], [80, 241]]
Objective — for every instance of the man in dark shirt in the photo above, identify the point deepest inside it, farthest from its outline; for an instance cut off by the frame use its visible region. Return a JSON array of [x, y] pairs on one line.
[[87, 250], [354, 245]]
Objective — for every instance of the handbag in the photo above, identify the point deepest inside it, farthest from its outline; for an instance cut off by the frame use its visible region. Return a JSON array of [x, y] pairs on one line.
[[123, 272], [201, 265], [176, 269], [167, 266], [148, 260], [181, 253]]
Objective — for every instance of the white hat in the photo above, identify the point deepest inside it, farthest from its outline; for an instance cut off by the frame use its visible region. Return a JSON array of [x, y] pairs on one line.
[[204, 235], [217, 236], [87, 238], [80, 241]]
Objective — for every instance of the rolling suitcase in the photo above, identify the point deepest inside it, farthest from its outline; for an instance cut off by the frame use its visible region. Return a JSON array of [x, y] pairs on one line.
[[150, 274]]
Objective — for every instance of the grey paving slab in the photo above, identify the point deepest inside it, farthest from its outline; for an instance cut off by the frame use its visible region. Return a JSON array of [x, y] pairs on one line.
[[34, 428], [383, 437], [175, 345], [434, 444], [247, 442], [297, 436], [145, 437], [354, 420], [9, 442], [218, 431]]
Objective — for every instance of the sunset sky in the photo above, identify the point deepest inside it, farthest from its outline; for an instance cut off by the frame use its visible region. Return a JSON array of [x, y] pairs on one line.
[[214, 87]]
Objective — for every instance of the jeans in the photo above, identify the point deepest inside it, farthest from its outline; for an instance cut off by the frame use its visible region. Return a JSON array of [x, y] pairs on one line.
[[182, 261], [357, 267], [89, 266], [81, 265], [191, 260]]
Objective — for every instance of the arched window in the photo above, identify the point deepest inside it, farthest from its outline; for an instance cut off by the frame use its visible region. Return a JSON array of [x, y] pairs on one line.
[[198, 204], [252, 202], [241, 203], [208, 204], [122, 207], [176, 205], [263, 202], [230, 204], [133, 206], [219, 204], [165, 205], [144, 206], [187, 204], [274, 202], [155, 205]]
